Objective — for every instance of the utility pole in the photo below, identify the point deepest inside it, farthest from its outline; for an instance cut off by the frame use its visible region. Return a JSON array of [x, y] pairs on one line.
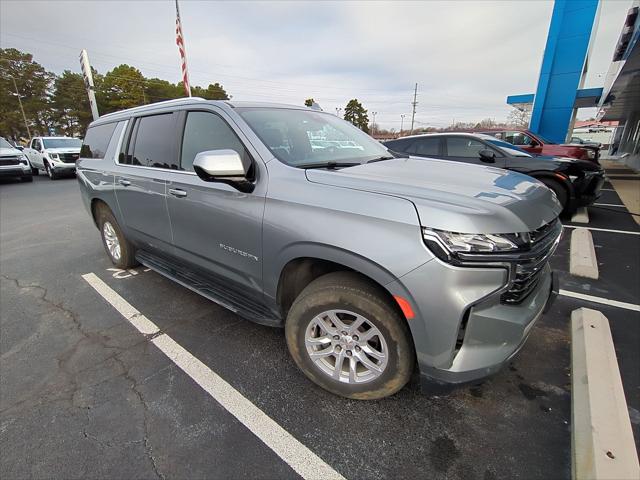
[[373, 123], [24, 117], [414, 103], [402, 115], [338, 110]]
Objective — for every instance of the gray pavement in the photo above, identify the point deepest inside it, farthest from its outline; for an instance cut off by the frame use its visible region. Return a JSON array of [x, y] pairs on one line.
[[84, 395]]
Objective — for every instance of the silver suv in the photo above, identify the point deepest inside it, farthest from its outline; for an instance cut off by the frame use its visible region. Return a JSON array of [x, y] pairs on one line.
[[377, 266]]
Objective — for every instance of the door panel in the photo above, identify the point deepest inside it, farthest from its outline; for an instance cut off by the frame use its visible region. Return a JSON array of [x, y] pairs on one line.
[[141, 180], [218, 229]]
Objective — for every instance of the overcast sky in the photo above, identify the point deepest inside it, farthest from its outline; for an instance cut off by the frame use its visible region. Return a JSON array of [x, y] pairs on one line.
[[466, 56]]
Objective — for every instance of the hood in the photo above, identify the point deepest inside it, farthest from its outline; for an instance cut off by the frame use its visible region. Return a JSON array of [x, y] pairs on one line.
[[10, 152], [63, 150], [454, 196]]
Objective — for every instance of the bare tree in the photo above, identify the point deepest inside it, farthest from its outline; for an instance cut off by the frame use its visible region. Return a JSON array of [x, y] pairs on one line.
[[519, 118]]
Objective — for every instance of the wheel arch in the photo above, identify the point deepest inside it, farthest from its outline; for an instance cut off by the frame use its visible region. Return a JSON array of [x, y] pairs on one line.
[[297, 271]]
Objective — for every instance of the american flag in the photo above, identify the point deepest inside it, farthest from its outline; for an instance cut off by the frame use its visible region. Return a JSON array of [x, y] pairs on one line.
[[183, 53]]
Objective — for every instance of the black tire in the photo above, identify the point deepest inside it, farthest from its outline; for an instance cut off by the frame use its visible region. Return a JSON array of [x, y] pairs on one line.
[[27, 178], [559, 190], [50, 172], [351, 292], [127, 251], [35, 171]]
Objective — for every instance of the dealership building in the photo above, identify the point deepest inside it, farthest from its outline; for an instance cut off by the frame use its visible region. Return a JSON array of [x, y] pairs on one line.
[[560, 91]]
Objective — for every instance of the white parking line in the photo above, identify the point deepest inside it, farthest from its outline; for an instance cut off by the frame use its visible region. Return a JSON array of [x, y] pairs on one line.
[[306, 463], [602, 229], [603, 301], [608, 205]]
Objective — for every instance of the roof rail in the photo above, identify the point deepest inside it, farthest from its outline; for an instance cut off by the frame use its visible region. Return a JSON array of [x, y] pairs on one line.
[[175, 101]]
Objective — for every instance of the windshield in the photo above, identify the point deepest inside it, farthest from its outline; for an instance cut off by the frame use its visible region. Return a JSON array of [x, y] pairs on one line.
[[302, 138], [508, 148], [62, 142], [5, 144]]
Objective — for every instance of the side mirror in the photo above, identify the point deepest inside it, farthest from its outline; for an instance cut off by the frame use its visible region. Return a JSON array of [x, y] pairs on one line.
[[487, 156], [224, 166], [19, 147]]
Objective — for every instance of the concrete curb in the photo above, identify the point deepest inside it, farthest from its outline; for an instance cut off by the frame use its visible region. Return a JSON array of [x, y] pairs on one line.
[[581, 215], [582, 255], [602, 445]]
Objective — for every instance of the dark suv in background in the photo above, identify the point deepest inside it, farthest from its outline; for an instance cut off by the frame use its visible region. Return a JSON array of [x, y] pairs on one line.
[[575, 182]]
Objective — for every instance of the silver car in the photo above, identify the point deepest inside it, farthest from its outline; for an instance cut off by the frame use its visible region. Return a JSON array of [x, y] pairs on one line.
[[376, 266]]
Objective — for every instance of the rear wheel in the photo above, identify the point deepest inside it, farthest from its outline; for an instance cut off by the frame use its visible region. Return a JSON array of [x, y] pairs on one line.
[[559, 190], [348, 338], [118, 248]]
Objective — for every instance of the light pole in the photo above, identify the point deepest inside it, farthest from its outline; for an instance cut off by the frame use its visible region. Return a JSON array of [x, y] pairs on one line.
[[373, 123], [402, 115], [338, 110]]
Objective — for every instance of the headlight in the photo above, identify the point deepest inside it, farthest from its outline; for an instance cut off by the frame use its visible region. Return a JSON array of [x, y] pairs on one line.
[[446, 245], [23, 159], [54, 156]]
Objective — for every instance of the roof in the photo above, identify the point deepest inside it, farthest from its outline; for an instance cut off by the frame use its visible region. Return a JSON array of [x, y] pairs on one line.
[[192, 101], [454, 134]]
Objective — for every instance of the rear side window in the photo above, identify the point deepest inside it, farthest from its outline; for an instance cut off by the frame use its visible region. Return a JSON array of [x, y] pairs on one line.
[[401, 145], [207, 131], [464, 147], [425, 146], [154, 143], [96, 141]]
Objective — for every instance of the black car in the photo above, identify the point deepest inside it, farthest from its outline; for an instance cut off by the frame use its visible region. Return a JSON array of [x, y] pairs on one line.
[[575, 182]]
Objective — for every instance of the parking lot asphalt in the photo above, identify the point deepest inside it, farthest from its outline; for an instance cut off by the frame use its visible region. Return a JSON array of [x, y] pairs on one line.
[[84, 394]]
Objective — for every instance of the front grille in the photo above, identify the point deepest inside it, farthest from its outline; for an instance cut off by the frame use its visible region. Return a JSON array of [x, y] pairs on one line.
[[527, 270], [69, 157], [13, 160]]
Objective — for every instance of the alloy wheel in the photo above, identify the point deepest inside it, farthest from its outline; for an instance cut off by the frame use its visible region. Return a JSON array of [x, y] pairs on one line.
[[346, 346], [111, 241]]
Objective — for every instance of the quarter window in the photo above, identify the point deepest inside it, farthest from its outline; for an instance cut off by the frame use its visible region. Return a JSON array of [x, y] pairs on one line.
[[96, 141], [155, 142], [518, 138], [207, 131], [464, 147]]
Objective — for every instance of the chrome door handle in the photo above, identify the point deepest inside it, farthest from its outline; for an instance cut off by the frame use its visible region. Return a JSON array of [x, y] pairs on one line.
[[124, 183], [176, 192]]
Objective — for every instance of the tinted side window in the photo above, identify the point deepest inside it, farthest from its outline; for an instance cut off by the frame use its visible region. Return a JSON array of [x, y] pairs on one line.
[[464, 147], [36, 144], [518, 138], [425, 146], [155, 142], [207, 131], [96, 141], [401, 145]]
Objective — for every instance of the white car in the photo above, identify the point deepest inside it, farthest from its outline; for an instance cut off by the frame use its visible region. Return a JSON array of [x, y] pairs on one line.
[[56, 156], [13, 163]]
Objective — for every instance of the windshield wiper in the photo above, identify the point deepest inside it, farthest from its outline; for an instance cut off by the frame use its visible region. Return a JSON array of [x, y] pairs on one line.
[[386, 157], [329, 165]]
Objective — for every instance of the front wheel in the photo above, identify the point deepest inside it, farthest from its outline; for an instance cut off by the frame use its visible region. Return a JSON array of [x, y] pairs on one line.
[[34, 171], [50, 172], [347, 337], [561, 193]]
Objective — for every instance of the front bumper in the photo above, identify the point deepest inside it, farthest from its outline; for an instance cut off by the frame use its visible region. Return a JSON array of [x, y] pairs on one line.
[[20, 170], [62, 167], [588, 189], [464, 327]]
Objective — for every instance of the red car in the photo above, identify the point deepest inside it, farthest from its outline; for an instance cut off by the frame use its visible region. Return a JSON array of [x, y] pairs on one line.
[[537, 145]]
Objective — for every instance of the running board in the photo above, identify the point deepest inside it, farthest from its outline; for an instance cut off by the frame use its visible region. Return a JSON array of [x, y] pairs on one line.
[[214, 291]]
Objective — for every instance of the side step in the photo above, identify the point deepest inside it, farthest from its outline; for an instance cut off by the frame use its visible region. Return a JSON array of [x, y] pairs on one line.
[[210, 289]]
